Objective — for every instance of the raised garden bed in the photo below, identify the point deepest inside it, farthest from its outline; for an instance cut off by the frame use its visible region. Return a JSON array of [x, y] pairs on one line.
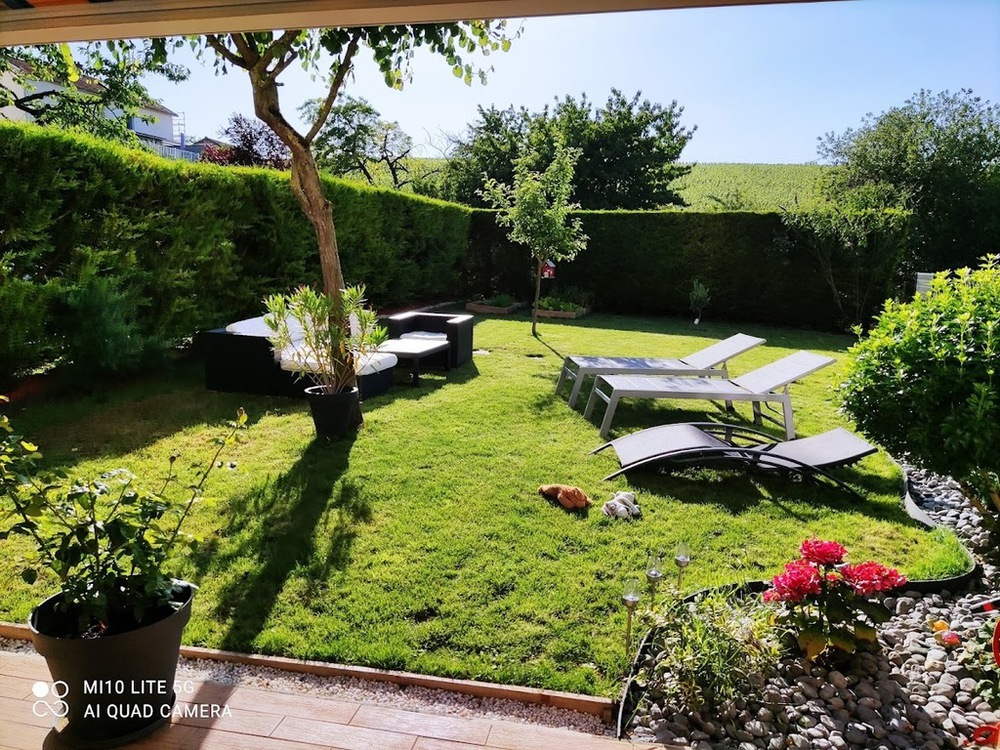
[[484, 308]]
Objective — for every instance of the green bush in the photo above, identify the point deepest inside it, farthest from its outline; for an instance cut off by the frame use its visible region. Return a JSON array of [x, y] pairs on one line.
[[501, 300], [924, 381]]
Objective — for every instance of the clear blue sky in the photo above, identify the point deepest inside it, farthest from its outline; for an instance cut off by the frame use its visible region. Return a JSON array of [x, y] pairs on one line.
[[760, 82]]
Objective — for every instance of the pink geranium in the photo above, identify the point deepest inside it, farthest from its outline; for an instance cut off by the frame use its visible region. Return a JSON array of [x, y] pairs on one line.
[[799, 580], [822, 553], [868, 577]]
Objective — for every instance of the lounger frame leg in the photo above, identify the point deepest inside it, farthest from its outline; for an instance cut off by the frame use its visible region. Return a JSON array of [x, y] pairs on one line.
[[609, 414]]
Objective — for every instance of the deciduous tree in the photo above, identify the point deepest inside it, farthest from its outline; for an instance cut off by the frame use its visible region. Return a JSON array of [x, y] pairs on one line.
[[941, 154], [536, 208], [264, 56], [629, 150]]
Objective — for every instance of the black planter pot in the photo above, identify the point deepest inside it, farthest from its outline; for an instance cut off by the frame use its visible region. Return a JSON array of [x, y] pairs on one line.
[[119, 688], [335, 415]]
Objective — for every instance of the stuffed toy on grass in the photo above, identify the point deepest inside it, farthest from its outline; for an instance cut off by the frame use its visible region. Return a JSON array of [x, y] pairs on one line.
[[571, 498]]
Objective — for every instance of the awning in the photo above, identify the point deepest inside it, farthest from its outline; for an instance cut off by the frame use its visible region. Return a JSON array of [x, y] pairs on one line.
[[41, 21]]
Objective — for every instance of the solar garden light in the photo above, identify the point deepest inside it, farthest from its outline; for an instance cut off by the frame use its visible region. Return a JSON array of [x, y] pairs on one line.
[[682, 557], [630, 598], [654, 573]]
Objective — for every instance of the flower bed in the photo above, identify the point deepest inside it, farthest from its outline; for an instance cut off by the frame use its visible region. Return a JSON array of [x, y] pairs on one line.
[[913, 691]]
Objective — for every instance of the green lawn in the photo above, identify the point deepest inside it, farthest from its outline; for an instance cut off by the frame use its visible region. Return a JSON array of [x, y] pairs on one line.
[[421, 544]]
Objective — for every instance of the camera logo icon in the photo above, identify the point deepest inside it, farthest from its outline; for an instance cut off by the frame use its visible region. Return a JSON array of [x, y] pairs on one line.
[[50, 699]]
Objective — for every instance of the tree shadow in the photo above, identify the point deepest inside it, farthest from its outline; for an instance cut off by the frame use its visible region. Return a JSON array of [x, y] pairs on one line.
[[279, 525]]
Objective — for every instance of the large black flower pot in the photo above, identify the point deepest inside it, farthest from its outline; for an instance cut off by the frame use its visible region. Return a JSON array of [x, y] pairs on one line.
[[114, 689], [335, 415]]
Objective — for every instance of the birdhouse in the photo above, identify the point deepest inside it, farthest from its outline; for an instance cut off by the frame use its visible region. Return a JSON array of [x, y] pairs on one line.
[[548, 270]]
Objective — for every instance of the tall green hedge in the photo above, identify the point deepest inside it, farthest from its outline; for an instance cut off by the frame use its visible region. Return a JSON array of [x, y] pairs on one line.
[[108, 255], [184, 246], [646, 262]]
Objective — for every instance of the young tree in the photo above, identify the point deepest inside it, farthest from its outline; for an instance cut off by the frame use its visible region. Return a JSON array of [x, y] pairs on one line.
[[356, 140], [536, 208], [628, 150], [94, 88], [264, 56], [941, 154]]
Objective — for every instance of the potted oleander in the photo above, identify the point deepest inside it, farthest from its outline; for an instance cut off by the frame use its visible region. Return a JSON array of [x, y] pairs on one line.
[[111, 634], [326, 338]]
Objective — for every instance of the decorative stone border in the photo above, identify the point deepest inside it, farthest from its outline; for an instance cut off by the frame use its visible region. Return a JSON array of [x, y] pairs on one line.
[[601, 707], [632, 693]]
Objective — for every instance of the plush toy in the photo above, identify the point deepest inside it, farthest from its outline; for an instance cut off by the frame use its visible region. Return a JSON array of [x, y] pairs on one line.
[[571, 498]]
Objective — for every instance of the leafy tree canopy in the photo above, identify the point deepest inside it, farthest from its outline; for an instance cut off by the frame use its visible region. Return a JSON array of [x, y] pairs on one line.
[[940, 155], [628, 150], [94, 88], [356, 141]]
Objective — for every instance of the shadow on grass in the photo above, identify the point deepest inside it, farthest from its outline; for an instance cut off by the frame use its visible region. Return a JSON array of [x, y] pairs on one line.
[[279, 525]]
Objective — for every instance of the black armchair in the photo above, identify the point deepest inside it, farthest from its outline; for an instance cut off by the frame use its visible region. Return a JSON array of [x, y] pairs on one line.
[[458, 329]]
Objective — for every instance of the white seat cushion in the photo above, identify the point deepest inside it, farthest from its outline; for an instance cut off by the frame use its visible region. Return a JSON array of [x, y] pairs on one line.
[[257, 327], [430, 335], [295, 360]]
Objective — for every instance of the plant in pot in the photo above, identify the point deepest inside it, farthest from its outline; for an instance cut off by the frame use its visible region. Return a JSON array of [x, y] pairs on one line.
[[111, 635], [326, 338]]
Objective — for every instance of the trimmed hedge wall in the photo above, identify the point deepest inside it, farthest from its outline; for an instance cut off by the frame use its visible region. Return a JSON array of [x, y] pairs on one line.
[[181, 247], [646, 261], [108, 256]]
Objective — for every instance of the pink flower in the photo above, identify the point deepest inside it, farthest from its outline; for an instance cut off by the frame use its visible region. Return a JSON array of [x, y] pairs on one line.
[[822, 553], [868, 577], [799, 580]]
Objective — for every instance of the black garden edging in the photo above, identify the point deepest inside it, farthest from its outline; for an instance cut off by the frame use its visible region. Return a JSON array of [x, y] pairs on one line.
[[632, 692]]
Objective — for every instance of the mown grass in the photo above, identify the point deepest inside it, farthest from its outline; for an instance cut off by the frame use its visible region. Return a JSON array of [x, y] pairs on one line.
[[422, 545]]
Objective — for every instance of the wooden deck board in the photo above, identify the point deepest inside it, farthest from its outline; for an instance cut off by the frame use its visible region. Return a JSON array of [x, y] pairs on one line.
[[264, 719]]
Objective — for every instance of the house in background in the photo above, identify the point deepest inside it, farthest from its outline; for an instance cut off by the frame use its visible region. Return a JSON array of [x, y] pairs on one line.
[[157, 127]]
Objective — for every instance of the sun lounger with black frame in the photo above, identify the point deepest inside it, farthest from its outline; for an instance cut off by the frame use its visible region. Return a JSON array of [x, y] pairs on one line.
[[705, 443], [767, 384], [708, 362]]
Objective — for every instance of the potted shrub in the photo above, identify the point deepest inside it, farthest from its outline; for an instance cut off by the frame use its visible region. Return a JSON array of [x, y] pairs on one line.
[[112, 633], [325, 339]]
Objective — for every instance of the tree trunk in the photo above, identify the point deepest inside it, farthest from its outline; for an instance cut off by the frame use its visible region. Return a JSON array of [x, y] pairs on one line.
[[306, 183], [538, 294]]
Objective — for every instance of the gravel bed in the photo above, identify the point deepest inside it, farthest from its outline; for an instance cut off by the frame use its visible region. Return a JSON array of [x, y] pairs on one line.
[[913, 693], [426, 700]]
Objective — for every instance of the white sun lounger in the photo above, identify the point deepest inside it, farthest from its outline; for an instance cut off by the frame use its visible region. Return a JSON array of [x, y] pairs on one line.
[[768, 384], [707, 362]]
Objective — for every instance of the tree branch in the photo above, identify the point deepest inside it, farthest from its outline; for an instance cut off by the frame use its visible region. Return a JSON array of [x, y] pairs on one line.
[[246, 49], [283, 43], [338, 81], [215, 42]]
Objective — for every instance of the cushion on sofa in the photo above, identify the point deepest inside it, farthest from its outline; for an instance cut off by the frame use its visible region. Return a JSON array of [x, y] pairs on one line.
[[296, 360], [257, 327], [430, 335]]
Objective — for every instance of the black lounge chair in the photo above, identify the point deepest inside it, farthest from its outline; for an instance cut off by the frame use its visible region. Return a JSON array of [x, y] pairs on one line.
[[743, 447]]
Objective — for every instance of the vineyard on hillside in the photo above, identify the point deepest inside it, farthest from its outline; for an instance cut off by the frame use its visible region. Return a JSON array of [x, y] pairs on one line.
[[750, 187], [709, 187]]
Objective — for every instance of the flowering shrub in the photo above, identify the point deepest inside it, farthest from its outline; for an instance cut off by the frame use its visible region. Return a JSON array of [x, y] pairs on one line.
[[825, 599]]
